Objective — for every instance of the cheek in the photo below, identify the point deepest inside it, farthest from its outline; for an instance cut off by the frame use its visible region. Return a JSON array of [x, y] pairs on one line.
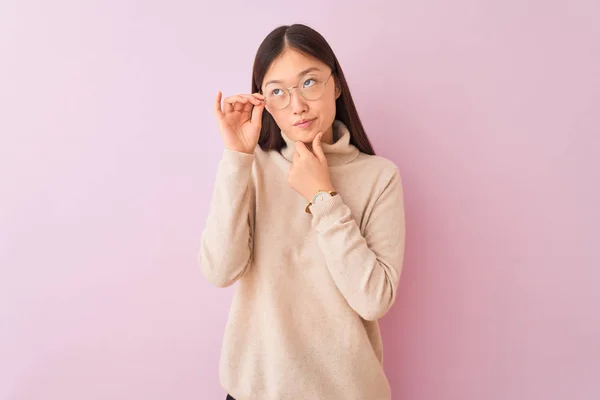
[[327, 108], [277, 115]]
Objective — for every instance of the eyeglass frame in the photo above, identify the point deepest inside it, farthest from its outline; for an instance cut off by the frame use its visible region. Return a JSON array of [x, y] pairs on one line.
[[288, 89]]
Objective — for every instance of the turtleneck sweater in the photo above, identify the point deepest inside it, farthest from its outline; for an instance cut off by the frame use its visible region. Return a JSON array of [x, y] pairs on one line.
[[310, 288]]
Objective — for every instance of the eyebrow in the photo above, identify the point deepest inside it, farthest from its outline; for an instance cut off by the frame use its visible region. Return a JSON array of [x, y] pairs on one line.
[[306, 71]]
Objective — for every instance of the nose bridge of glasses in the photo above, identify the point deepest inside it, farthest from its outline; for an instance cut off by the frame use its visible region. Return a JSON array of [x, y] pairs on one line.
[[289, 90], [299, 101]]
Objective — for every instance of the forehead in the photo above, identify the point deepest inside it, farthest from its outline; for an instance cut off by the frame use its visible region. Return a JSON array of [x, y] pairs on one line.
[[290, 63]]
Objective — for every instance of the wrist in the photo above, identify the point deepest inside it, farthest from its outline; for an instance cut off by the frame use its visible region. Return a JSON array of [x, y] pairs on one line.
[[321, 188], [320, 196]]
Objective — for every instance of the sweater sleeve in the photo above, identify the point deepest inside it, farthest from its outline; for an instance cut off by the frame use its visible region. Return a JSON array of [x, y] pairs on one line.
[[226, 242], [366, 269]]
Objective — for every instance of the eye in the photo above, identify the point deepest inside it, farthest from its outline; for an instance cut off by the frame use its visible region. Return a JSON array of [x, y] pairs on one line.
[[307, 83], [276, 92]]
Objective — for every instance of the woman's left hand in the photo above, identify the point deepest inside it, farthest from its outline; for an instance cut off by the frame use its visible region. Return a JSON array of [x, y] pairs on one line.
[[309, 171]]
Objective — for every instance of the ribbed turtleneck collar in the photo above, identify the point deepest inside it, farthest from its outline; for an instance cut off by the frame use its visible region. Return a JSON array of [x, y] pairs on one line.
[[340, 152]]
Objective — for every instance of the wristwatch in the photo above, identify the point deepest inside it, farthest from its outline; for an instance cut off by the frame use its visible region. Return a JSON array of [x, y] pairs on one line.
[[321, 195]]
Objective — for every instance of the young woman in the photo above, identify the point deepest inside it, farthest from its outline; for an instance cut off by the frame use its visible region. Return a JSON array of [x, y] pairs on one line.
[[310, 223]]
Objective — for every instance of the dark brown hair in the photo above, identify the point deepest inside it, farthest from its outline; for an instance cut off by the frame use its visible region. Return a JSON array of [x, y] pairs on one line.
[[311, 43]]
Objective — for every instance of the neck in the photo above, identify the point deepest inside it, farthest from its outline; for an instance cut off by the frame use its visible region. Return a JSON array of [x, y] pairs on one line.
[[328, 136]]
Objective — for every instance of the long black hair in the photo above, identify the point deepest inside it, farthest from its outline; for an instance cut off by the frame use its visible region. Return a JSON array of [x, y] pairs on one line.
[[309, 42]]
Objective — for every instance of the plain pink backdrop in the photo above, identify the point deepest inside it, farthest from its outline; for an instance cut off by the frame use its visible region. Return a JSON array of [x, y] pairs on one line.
[[108, 150]]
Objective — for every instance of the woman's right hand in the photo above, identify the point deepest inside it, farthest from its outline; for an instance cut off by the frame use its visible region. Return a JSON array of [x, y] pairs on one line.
[[240, 120]]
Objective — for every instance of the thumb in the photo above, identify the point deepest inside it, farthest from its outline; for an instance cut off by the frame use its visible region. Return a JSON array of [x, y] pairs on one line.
[[317, 149], [256, 118]]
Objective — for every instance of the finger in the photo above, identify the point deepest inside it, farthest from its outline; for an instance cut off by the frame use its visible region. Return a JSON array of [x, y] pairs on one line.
[[232, 103], [250, 105], [317, 149], [237, 106], [236, 99], [244, 98], [218, 110], [252, 99], [301, 149], [257, 112]]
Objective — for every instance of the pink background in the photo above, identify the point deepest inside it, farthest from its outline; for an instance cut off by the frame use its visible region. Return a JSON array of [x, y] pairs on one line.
[[108, 151]]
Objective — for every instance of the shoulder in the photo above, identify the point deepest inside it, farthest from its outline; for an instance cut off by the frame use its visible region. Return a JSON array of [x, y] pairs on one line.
[[261, 154], [263, 158], [378, 168], [378, 162], [268, 163]]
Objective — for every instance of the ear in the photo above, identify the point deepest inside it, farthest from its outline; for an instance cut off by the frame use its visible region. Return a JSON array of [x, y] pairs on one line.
[[338, 91], [267, 108]]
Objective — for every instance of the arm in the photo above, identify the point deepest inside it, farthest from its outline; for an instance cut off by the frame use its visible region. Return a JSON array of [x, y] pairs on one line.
[[366, 269], [226, 244]]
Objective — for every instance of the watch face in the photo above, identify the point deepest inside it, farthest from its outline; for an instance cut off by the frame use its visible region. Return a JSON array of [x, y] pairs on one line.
[[321, 196]]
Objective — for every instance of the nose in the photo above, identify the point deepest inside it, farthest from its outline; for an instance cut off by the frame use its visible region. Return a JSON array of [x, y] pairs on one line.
[[297, 102]]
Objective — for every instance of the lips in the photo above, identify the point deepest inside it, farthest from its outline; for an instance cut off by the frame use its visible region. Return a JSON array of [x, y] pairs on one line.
[[303, 121]]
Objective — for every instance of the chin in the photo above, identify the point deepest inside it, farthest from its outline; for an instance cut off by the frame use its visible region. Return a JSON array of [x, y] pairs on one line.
[[307, 136]]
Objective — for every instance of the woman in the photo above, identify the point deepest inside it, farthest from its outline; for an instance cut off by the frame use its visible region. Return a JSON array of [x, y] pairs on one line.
[[310, 223]]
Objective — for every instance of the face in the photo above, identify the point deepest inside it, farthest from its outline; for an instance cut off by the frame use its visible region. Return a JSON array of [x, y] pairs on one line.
[[317, 106]]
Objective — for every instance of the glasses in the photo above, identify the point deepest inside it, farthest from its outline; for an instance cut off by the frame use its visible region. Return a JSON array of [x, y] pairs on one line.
[[311, 87]]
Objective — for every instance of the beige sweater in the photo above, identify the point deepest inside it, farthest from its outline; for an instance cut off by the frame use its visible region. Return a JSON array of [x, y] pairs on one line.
[[303, 321]]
